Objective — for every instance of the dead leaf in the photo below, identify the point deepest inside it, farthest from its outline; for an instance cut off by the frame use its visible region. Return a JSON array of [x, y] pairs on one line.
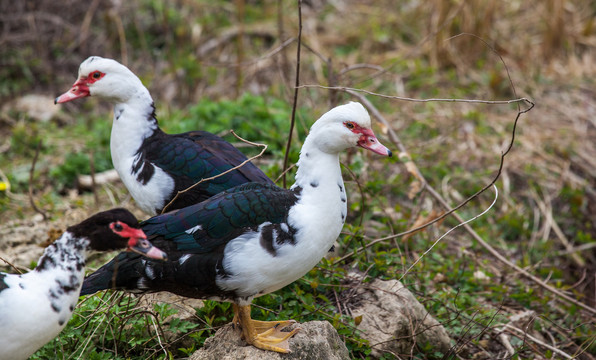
[[421, 220]]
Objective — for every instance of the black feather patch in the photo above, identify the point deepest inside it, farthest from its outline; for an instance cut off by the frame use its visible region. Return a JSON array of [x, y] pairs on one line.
[[151, 116], [276, 234], [47, 262], [146, 170], [190, 157], [3, 285], [195, 239]]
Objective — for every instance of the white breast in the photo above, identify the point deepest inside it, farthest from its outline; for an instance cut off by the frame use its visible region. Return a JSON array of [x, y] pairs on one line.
[[255, 271], [27, 319]]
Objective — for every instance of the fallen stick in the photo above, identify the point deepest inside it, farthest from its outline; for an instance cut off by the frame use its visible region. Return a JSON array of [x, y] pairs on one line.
[[85, 182]]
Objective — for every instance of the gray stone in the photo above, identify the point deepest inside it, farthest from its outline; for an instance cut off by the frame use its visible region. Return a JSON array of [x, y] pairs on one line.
[[393, 321], [315, 340], [38, 107]]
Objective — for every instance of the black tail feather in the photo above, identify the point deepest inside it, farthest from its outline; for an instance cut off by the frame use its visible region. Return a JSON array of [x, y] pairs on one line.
[[120, 273]]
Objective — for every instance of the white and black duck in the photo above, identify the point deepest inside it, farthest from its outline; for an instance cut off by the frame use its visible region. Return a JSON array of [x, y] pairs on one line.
[[255, 238], [35, 306], [154, 165]]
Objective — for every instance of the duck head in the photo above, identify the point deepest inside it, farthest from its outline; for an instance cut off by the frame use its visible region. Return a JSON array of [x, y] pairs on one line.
[[105, 78]]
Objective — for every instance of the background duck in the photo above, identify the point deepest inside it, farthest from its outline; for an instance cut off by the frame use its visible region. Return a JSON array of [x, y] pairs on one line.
[[35, 307], [154, 165]]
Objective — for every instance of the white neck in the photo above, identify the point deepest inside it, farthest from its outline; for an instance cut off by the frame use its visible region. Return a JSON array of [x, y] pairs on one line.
[[59, 274], [323, 200], [61, 270], [318, 166], [65, 254], [133, 123]]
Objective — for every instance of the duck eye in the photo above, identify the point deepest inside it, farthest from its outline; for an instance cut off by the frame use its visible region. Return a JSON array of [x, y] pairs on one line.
[[349, 125], [96, 75], [118, 227]]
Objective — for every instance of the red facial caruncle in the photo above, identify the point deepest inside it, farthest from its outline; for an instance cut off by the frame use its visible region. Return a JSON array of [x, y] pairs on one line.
[[80, 88], [367, 139], [126, 231], [137, 241]]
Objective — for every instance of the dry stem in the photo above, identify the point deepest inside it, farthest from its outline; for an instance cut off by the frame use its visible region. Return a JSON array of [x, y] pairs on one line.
[[295, 101], [221, 174]]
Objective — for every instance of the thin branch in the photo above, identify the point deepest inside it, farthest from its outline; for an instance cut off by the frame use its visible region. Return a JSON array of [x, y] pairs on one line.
[[537, 341], [151, 316], [284, 172], [264, 146], [11, 265], [583, 247], [449, 231], [494, 51], [360, 66], [361, 191], [295, 102], [393, 97]]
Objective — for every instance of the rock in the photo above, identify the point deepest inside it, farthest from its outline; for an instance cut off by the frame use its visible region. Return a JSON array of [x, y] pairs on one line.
[[22, 241], [185, 306], [394, 321], [315, 340], [85, 182], [38, 107]]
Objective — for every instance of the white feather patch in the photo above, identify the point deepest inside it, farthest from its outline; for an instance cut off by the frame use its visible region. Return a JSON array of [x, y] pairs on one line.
[[194, 229]]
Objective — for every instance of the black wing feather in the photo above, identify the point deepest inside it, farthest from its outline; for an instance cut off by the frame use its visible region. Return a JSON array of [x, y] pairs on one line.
[[221, 218]]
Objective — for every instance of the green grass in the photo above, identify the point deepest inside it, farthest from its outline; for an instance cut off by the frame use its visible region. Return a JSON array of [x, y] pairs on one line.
[[161, 45], [466, 305]]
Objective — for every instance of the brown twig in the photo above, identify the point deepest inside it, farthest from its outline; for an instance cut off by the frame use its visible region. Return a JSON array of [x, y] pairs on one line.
[[84, 29], [545, 208], [355, 178], [295, 102], [11, 265], [264, 146], [517, 332], [284, 172], [394, 97], [31, 201]]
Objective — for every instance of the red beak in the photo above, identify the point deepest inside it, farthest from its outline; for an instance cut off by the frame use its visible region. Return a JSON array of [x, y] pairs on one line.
[[369, 141], [79, 89]]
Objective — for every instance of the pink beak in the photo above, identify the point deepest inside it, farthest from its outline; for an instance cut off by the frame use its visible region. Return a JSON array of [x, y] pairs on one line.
[[369, 141], [79, 89], [144, 247]]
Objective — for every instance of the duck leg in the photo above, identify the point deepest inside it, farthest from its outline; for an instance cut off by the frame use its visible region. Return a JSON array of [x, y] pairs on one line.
[[266, 335]]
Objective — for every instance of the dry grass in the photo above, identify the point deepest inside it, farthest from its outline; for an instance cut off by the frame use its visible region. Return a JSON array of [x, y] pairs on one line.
[[185, 51]]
